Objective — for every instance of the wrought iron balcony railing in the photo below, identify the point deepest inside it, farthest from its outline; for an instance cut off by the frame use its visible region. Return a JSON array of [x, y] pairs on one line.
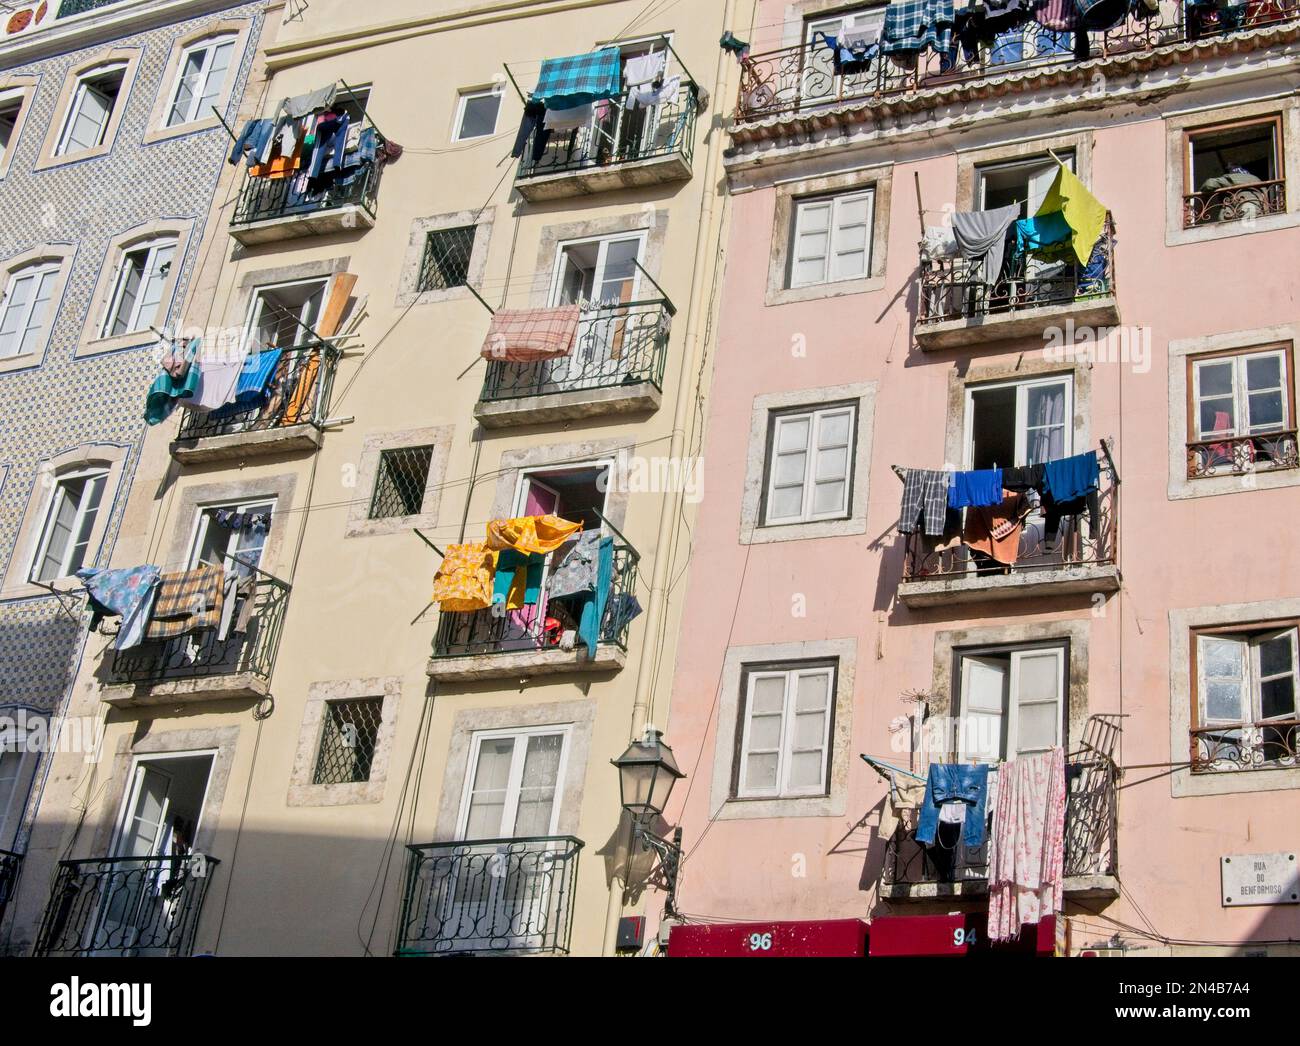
[[1239, 455], [1077, 544], [1091, 838], [954, 288], [801, 80], [263, 199], [1270, 744], [10, 864], [203, 654], [489, 632], [616, 345], [508, 896], [1234, 203], [125, 906], [619, 135], [298, 394]]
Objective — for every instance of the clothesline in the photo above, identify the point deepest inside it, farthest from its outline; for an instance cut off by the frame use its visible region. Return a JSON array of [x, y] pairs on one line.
[[1104, 450]]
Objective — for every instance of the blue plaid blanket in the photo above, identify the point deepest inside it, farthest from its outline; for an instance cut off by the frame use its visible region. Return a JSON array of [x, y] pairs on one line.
[[579, 79], [913, 25]]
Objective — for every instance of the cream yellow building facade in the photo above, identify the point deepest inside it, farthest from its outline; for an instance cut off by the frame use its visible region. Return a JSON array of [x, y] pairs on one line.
[[303, 758]]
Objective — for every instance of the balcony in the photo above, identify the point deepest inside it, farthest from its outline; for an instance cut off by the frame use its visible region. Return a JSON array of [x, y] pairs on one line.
[[200, 666], [491, 896], [616, 367], [125, 906], [288, 421], [800, 83], [10, 865], [624, 149], [914, 872], [469, 647], [1272, 744], [271, 209], [956, 307], [1242, 455], [1079, 560], [1245, 202]]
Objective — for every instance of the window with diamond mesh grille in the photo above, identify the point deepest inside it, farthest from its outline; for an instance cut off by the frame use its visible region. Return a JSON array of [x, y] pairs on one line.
[[446, 258], [399, 487], [347, 742]]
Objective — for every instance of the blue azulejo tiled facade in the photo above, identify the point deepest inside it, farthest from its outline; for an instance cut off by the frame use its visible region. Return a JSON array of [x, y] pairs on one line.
[[66, 397]]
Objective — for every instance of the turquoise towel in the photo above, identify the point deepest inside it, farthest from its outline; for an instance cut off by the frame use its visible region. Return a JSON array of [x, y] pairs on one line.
[[166, 390]]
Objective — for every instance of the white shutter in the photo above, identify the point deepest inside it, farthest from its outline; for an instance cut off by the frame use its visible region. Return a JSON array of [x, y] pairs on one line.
[[981, 727], [88, 120], [761, 739], [789, 468], [807, 733], [830, 474], [1275, 663], [851, 236], [1037, 701], [812, 236]]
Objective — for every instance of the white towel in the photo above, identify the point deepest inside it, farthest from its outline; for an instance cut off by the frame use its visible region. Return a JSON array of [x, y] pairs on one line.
[[648, 96], [218, 376], [569, 119], [646, 69]]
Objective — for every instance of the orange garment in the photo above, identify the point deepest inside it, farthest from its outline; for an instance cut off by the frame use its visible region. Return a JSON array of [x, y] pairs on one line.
[[303, 398], [536, 535], [464, 580], [279, 166], [995, 529]]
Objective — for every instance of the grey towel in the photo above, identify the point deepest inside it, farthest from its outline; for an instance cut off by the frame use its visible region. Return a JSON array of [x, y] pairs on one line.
[[313, 101], [983, 234]]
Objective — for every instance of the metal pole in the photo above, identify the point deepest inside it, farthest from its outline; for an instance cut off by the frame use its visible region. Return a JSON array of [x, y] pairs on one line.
[[672, 309], [514, 83]]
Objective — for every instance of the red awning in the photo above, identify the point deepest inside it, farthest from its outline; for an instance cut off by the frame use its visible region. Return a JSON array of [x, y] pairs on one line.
[[963, 933], [827, 937]]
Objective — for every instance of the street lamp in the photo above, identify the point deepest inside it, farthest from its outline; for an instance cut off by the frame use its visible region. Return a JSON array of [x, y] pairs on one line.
[[647, 772]]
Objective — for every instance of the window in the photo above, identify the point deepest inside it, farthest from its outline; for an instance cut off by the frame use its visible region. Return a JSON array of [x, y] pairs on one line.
[[400, 483], [809, 471], [832, 239], [820, 80], [17, 765], [200, 79], [86, 124], [1243, 394], [447, 254], [64, 546], [476, 114], [25, 310], [1019, 423], [1012, 702], [514, 779], [348, 737], [602, 271], [138, 288], [11, 108], [1245, 709], [576, 493], [1023, 182], [1225, 166], [784, 747], [161, 815], [233, 536], [281, 317]]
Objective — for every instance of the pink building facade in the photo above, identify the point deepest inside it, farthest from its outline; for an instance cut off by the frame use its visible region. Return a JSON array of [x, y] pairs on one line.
[[1155, 642]]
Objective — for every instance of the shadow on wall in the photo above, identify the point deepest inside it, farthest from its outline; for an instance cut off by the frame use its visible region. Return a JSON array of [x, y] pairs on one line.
[[37, 643]]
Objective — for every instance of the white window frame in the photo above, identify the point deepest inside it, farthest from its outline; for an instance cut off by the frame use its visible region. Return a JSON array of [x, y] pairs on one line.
[[815, 417], [203, 522], [1022, 388], [462, 103], [203, 84], [833, 205], [602, 244], [48, 517], [130, 793], [1252, 676], [256, 302], [14, 99], [785, 749], [39, 273], [1034, 194], [1011, 703], [15, 751], [1241, 394], [510, 810], [819, 80], [84, 86], [136, 321]]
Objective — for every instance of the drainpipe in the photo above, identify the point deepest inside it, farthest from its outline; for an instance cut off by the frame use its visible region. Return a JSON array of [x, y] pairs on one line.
[[692, 348]]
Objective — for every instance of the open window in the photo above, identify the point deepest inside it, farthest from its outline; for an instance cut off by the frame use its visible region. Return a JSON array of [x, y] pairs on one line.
[[857, 26], [11, 110], [1012, 702], [233, 536], [201, 79], [90, 113], [1238, 400], [282, 316], [138, 287], [1019, 423], [1024, 182], [1245, 714], [1233, 171], [577, 493], [69, 525], [784, 748]]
